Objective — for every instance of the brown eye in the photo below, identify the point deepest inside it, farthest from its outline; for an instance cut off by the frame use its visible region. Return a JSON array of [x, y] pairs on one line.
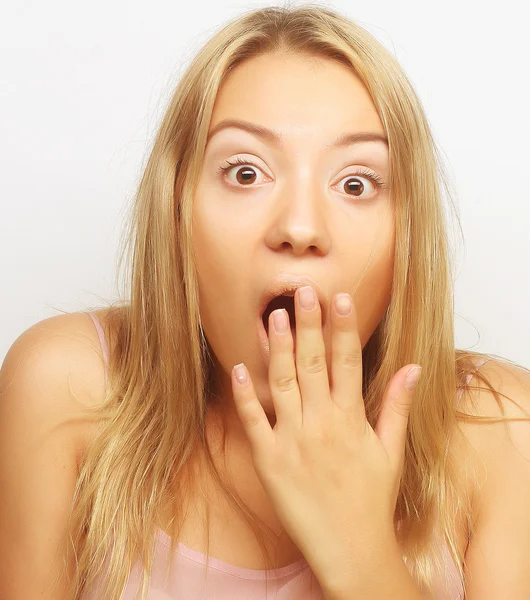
[[244, 175], [355, 184]]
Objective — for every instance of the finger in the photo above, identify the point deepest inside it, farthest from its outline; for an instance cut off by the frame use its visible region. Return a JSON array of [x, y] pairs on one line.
[[392, 423], [311, 367], [346, 357], [251, 413], [283, 382]]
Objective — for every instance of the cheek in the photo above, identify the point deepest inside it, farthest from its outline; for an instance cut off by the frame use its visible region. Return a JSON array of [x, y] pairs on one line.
[[222, 265], [373, 278], [209, 267], [219, 236]]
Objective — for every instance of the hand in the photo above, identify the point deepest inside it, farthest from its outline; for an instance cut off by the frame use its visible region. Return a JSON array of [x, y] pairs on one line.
[[333, 481]]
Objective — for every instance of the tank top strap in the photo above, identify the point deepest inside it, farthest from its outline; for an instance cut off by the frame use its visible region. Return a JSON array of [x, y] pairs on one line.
[[102, 341], [470, 375]]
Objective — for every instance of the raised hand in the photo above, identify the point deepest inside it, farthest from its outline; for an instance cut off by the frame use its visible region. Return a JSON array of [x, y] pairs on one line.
[[332, 479]]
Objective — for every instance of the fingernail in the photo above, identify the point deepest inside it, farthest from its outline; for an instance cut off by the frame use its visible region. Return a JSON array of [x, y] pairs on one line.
[[412, 378], [343, 304], [307, 297], [241, 374], [280, 320]]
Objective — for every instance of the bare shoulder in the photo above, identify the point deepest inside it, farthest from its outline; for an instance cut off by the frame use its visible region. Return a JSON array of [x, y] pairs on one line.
[[50, 375], [493, 440], [500, 457], [61, 353]]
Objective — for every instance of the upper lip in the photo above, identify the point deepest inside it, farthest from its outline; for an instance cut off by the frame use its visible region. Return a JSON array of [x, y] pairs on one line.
[[288, 282]]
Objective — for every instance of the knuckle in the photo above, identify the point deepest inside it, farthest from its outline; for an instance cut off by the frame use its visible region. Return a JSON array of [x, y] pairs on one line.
[[312, 364], [251, 421], [326, 437], [402, 408], [349, 360], [285, 384]]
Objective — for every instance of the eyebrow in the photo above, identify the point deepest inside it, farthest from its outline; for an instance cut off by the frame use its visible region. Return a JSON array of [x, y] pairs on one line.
[[346, 139]]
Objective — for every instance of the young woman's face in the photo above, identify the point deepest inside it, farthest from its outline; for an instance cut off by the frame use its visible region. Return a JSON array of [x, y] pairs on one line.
[[304, 207]]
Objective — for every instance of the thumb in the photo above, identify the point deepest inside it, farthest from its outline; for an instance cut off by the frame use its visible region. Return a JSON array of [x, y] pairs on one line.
[[391, 427]]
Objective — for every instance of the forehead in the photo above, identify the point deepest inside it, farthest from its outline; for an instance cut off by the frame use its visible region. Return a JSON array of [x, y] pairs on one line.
[[296, 96]]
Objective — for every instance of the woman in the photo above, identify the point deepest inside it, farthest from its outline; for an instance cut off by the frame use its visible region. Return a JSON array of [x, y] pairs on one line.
[[259, 184]]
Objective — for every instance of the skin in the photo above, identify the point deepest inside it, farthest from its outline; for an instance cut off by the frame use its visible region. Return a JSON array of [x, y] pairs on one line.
[[295, 218], [297, 212]]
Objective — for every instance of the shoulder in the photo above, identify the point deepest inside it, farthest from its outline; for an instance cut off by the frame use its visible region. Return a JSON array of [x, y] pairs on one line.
[[50, 375], [499, 453], [54, 369], [512, 386]]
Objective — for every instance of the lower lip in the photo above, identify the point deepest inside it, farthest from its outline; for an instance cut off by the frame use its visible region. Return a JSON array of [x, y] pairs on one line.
[[264, 341]]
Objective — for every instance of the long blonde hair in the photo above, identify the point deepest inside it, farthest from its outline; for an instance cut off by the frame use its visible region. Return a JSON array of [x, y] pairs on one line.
[[152, 419]]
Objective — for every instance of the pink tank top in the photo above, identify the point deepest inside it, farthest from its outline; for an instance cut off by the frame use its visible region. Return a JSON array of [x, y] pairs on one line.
[[188, 580]]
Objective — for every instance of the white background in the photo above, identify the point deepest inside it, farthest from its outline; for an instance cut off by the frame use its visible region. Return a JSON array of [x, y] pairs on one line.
[[83, 87]]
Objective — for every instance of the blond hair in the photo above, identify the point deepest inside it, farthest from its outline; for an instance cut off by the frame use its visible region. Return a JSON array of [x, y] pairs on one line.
[[160, 369]]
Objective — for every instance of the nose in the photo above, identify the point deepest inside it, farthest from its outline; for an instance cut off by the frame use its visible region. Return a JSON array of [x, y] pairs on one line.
[[299, 220]]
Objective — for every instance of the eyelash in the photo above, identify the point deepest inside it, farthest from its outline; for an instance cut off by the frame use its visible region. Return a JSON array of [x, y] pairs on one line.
[[380, 184]]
